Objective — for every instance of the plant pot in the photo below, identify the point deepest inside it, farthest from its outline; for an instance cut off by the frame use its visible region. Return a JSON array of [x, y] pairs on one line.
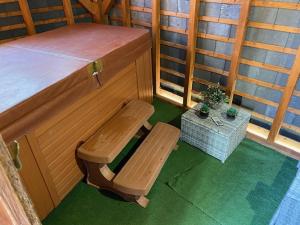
[[203, 115], [231, 117]]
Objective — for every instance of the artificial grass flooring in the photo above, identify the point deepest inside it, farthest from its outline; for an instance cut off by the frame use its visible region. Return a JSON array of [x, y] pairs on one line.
[[193, 188]]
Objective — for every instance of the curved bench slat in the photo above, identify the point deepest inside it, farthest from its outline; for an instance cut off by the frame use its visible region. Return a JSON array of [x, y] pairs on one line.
[[115, 134], [140, 172]]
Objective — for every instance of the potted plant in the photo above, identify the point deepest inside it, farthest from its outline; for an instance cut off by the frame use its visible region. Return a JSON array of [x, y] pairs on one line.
[[214, 96], [232, 113], [204, 111]]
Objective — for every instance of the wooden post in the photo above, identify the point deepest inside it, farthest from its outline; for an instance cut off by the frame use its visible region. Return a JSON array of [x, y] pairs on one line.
[[98, 17], [286, 97], [240, 36], [156, 44], [27, 16], [107, 4], [95, 8], [68, 11], [190, 56], [126, 13]]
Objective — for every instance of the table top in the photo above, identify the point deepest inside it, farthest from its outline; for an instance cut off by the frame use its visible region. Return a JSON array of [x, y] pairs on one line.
[[230, 125]]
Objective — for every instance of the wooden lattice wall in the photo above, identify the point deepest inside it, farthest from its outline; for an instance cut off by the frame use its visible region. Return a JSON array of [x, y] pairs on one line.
[[184, 93]]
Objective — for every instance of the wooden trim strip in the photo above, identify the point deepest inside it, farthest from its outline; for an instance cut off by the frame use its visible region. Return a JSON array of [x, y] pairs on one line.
[[67, 6], [126, 13], [27, 16], [274, 27], [7, 1], [270, 4], [260, 83], [172, 59], [255, 98], [173, 29], [156, 44], [270, 47], [49, 21], [213, 54], [211, 69], [173, 45], [191, 52], [218, 20], [238, 45], [139, 22], [265, 66], [172, 72], [12, 27], [140, 9], [234, 2], [205, 82], [216, 37]]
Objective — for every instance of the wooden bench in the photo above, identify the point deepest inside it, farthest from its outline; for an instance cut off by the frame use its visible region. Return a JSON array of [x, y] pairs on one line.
[[140, 172], [136, 178], [103, 147]]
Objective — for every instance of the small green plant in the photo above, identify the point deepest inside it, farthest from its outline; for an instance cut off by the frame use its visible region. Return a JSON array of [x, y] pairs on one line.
[[232, 112], [204, 109], [213, 95]]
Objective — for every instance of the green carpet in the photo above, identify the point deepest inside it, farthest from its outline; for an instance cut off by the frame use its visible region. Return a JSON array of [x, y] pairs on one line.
[[193, 188]]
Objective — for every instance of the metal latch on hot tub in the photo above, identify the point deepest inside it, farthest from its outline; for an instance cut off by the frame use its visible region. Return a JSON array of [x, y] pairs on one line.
[[95, 68]]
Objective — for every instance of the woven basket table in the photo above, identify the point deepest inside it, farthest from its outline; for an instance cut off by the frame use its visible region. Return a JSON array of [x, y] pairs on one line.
[[217, 141]]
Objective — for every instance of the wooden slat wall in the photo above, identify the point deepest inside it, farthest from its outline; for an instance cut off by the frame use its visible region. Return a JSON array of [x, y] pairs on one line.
[[33, 18], [184, 94]]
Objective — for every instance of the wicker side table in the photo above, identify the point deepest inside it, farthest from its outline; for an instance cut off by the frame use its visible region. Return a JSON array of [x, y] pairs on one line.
[[217, 141]]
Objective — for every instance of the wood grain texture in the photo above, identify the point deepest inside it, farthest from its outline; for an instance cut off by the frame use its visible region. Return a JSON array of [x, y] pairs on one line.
[[142, 169], [144, 77], [240, 36], [285, 99], [156, 44], [67, 6], [54, 143], [191, 53], [33, 180], [27, 16], [114, 135], [11, 210]]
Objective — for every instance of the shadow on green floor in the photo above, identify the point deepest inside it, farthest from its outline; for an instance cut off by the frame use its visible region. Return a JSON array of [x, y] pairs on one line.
[[193, 188]]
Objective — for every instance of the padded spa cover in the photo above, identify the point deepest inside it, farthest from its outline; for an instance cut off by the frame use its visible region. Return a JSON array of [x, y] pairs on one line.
[[43, 73]]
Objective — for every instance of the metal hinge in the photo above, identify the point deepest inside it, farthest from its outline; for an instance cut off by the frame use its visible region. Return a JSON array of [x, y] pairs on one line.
[[94, 69]]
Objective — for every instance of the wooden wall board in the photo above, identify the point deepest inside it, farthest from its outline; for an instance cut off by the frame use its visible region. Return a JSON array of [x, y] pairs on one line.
[[54, 143], [33, 180]]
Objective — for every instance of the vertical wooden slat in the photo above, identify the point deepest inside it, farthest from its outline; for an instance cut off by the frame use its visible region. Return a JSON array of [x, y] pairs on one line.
[[27, 16], [286, 97], [190, 57], [68, 11], [95, 8], [156, 43], [240, 36], [126, 13], [98, 17]]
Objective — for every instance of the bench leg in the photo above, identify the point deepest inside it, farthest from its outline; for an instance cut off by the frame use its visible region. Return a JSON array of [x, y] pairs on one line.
[[142, 201], [99, 175], [147, 125], [176, 148]]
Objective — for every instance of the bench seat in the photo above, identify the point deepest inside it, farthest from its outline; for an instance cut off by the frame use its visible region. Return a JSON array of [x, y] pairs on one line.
[[113, 136], [140, 172]]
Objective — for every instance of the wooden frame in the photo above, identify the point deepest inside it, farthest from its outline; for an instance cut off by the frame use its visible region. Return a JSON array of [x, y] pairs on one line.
[[191, 52]]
